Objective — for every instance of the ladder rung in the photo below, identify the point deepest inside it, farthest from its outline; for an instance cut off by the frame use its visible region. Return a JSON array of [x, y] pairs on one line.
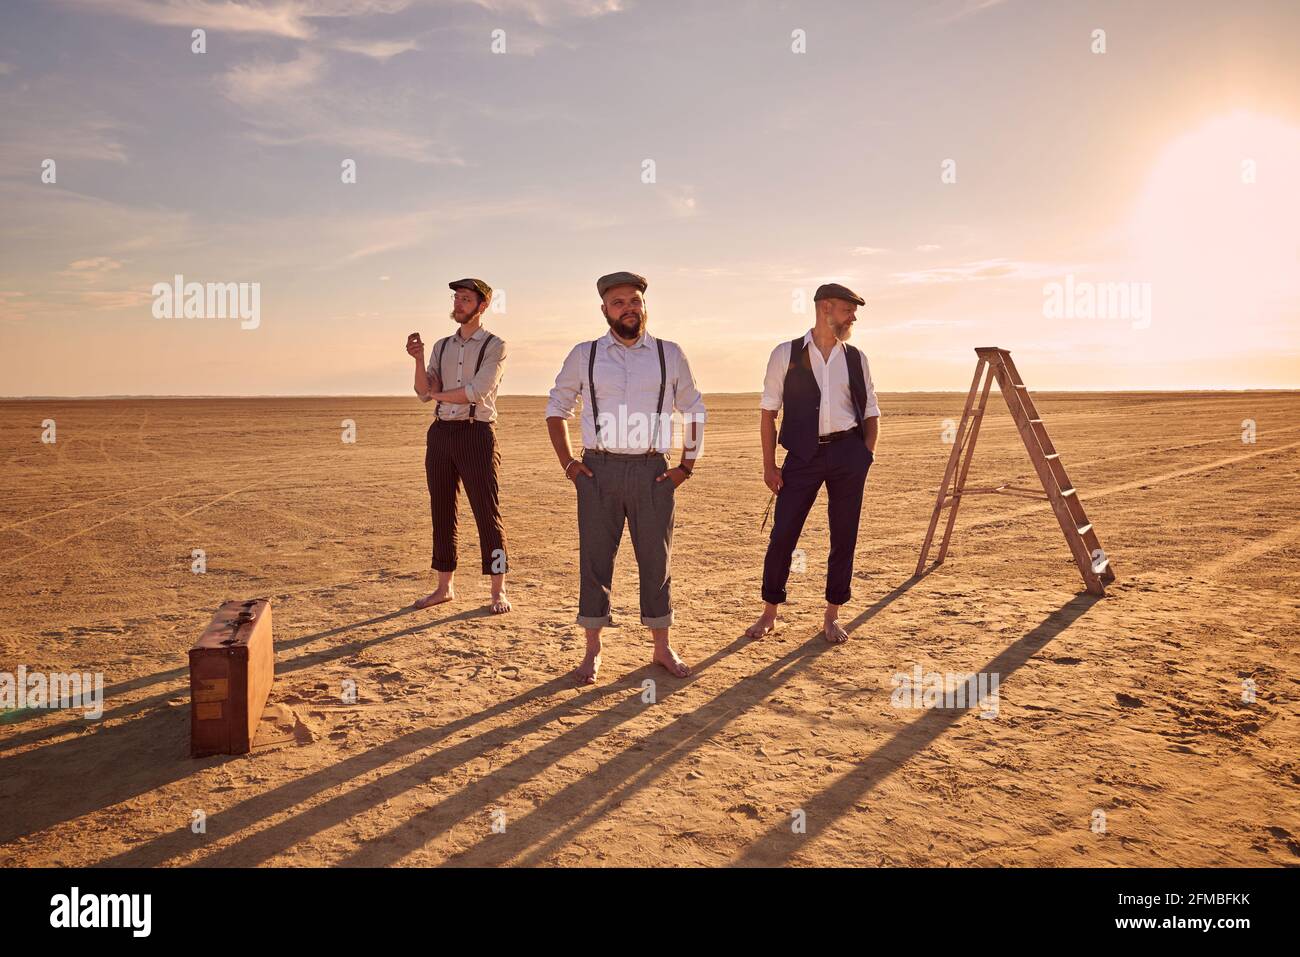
[[1085, 529], [1066, 492], [1054, 455], [1020, 385], [1035, 421]]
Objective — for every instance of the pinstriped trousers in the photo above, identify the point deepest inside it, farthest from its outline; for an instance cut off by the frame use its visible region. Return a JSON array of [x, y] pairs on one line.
[[622, 490], [457, 451]]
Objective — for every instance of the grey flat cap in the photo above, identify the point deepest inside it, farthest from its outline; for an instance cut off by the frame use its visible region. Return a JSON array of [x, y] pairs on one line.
[[605, 283], [833, 290]]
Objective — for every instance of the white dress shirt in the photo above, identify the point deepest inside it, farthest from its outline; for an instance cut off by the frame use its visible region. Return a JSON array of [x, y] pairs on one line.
[[832, 378], [627, 387], [459, 357]]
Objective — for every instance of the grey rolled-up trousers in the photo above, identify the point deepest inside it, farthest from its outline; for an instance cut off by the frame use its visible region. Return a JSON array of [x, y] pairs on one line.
[[622, 488]]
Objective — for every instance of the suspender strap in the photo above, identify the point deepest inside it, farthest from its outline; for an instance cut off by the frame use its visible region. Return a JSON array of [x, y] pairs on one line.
[[659, 409], [442, 347], [479, 365], [663, 378], [591, 389]]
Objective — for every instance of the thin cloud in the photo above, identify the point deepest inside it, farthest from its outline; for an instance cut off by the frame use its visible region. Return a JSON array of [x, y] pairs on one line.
[[91, 270], [382, 50], [279, 18], [289, 102], [983, 270]]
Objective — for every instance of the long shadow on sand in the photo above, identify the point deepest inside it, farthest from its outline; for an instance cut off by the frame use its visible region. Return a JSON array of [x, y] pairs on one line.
[[557, 820], [12, 742], [262, 845], [107, 764], [779, 844]]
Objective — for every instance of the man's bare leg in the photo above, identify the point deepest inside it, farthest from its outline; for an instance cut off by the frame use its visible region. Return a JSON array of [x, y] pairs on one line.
[[664, 654], [585, 673], [835, 633], [500, 603], [445, 592], [766, 623]]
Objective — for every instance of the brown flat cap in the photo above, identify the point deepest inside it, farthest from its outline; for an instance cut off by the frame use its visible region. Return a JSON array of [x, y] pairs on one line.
[[605, 283], [474, 285], [833, 290]]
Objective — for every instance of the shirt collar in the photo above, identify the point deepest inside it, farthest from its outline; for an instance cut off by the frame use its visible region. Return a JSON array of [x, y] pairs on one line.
[[808, 340], [479, 333], [645, 341]]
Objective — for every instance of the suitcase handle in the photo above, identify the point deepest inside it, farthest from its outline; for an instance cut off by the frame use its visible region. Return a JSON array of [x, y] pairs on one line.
[[243, 618]]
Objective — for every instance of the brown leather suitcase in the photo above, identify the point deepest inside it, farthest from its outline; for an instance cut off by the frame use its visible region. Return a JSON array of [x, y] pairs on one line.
[[232, 666]]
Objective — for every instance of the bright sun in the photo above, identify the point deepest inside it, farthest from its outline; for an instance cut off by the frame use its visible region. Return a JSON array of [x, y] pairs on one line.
[[1216, 231]]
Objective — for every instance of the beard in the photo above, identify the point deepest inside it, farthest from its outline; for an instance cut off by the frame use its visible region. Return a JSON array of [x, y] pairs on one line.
[[842, 330], [629, 325], [461, 320]]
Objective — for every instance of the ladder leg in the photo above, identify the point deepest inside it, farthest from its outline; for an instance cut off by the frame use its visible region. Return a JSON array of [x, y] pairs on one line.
[[965, 468], [952, 466]]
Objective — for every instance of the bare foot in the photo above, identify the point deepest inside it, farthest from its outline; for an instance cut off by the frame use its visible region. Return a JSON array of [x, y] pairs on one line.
[[500, 604], [664, 655], [436, 598], [585, 673], [835, 634], [765, 625]]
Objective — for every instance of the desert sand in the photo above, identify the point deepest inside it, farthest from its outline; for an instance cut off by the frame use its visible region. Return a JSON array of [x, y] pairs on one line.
[[469, 745]]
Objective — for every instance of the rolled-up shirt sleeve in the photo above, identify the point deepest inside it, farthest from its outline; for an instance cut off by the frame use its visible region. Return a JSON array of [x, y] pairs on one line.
[[430, 371], [488, 376], [568, 384], [872, 408], [687, 398], [774, 379]]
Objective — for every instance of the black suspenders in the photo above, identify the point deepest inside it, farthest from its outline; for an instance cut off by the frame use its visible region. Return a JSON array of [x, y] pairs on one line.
[[477, 365], [442, 347], [591, 389]]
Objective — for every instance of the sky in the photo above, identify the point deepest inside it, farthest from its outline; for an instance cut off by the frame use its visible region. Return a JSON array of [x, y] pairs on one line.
[[982, 172]]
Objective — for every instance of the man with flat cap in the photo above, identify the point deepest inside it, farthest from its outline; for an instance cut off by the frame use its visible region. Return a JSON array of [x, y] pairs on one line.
[[829, 432], [631, 383], [462, 377]]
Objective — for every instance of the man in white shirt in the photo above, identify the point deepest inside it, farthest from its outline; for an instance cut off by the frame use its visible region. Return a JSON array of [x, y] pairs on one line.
[[829, 430], [462, 377], [630, 383]]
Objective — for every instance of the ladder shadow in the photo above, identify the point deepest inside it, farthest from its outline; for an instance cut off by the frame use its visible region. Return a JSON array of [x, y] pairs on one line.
[[780, 843]]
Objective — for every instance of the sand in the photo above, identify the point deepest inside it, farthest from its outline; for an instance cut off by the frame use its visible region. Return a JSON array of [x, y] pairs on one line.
[[468, 745]]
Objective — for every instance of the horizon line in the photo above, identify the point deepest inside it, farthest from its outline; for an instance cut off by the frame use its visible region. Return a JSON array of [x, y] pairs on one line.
[[542, 395]]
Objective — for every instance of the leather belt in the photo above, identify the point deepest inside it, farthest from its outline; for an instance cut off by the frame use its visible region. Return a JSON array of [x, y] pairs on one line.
[[835, 436], [624, 455]]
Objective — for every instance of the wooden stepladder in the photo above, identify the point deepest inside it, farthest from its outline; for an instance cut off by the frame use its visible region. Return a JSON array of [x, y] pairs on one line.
[[995, 363]]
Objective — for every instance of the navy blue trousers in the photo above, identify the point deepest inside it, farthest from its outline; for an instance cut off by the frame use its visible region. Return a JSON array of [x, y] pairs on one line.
[[842, 466]]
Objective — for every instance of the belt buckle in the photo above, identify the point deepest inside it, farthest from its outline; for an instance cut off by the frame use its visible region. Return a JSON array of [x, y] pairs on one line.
[[823, 440]]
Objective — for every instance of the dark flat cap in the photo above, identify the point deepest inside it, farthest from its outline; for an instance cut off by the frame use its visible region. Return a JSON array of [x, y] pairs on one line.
[[605, 283], [473, 285], [833, 290]]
